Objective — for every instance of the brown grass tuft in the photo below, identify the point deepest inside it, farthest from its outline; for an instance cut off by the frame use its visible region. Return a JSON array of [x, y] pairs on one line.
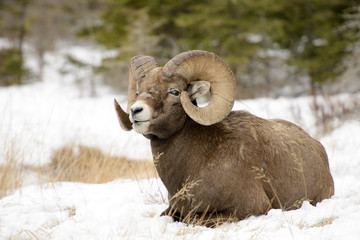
[[91, 165], [206, 217], [11, 177], [261, 175]]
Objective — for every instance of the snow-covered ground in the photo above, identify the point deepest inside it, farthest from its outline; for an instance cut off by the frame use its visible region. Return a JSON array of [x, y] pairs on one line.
[[41, 117], [44, 116]]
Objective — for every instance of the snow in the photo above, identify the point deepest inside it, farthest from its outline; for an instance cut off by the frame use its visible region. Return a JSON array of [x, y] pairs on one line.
[[44, 116]]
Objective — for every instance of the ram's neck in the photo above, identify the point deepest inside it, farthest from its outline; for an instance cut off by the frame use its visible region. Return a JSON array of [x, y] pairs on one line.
[[174, 156]]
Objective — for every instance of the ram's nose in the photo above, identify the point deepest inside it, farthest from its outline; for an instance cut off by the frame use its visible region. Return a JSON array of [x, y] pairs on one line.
[[140, 112], [135, 110]]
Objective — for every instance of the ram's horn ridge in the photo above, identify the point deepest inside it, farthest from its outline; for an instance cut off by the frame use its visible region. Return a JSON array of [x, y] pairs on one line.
[[205, 66], [139, 67]]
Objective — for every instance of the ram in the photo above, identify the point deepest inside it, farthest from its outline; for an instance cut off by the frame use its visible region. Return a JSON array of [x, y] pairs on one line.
[[214, 162]]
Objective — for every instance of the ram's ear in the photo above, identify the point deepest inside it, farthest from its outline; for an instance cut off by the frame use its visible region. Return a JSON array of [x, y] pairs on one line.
[[197, 89], [123, 117]]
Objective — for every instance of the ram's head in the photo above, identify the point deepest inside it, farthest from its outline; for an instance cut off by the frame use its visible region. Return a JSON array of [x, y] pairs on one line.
[[159, 98]]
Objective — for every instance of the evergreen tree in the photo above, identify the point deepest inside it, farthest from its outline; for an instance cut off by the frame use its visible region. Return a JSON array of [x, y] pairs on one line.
[[234, 29], [310, 29], [13, 26]]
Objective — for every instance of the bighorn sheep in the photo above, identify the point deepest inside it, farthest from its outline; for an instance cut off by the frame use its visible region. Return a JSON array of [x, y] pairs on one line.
[[217, 163]]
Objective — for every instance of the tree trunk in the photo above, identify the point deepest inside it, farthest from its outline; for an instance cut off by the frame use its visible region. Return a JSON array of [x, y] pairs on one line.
[[22, 33]]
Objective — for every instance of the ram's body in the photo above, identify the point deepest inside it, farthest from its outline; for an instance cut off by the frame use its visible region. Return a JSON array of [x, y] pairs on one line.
[[213, 162], [242, 166]]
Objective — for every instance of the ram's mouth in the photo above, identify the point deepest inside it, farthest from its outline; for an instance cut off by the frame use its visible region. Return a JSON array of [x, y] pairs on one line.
[[139, 122], [141, 126]]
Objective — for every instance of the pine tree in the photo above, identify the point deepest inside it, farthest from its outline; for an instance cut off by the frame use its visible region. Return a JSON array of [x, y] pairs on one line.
[[13, 26], [310, 29], [235, 29]]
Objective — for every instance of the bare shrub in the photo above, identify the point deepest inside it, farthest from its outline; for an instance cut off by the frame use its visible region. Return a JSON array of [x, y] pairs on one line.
[[332, 111]]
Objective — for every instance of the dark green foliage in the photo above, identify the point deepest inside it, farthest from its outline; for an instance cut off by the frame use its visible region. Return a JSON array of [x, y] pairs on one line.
[[11, 67], [13, 27], [310, 29], [234, 29]]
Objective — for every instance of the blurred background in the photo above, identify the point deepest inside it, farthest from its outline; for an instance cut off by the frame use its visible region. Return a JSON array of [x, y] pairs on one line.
[[275, 47]]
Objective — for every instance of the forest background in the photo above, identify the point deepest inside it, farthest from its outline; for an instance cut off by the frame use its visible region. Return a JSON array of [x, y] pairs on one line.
[[275, 48]]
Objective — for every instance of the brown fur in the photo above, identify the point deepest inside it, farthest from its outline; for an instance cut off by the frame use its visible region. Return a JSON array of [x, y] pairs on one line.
[[227, 158]]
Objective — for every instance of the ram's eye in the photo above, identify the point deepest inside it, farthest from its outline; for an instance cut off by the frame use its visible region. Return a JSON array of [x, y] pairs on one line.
[[137, 93], [174, 92]]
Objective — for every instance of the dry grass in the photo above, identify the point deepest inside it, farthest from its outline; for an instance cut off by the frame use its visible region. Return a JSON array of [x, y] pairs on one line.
[[69, 163], [261, 175], [11, 177], [91, 165], [194, 217], [324, 221]]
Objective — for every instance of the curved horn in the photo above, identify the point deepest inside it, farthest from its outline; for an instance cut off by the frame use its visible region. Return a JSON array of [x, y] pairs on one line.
[[206, 66], [139, 67]]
